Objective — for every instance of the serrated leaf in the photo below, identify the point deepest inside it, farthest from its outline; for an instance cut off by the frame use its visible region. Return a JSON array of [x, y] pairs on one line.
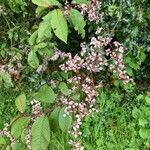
[[78, 21], [33, 59], [21, 103], [40, 134], [45, 94], [64, 122], [46, 3], [54, 116], [19, 125], [64, 88], [59, 25]]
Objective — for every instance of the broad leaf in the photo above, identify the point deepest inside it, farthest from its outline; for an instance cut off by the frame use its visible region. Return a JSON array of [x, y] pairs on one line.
[[45, 26], [19, 125], [78, 21], [59, 25], [40, 134], [64, 121], [21, 103], [54, 116], [46, 3], [64, 88], [33, 59], [45, 94]]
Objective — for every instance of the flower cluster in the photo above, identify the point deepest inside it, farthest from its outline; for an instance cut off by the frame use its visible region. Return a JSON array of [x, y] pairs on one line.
[[42, 67], [76, 145], [117, 65], [92, 10], [84, 107], [59, 54], [93, 58], [6, 132], [12, 68]]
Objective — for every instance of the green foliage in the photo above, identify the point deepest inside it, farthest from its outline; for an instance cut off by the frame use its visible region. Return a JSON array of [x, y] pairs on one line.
[[21, 103], [64, 121], [45, 94], [30, 41], [54, 123], [33, 59], [59, 25], [40, 134], [19, 125], [46, 3], [63, 88], [77, 21]]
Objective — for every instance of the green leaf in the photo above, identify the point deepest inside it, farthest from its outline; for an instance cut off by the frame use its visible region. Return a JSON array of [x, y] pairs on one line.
[[64, 121], [45, 94], [19, 125], [8, 147], [39, 46], [18, 146], [78, 21], [144, 133], [46, 3], [46, 52], [135, 113], [2, 141], [39, 10], [45, 26], [76, 96], [64, 88], [33, 59], [81, 2], [142, 121], [65, 75], [21, 103], [40, 134], [59, 25], [147, 98], [5, 79], [32, 38], [54, 116]]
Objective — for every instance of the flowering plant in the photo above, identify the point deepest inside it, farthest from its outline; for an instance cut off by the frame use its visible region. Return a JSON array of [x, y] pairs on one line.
[[69, 95]]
